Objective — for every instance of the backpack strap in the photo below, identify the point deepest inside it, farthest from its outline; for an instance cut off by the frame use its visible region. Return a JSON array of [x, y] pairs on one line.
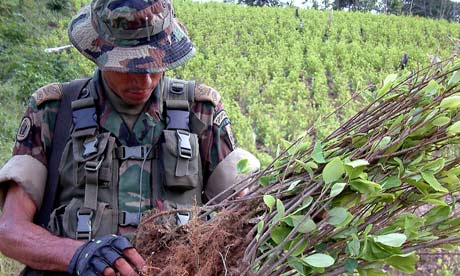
[[71, 91], [178, 97]]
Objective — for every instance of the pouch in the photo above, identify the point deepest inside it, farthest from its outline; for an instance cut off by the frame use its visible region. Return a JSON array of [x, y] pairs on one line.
[[73, 161], [63, 220], [180, 173]]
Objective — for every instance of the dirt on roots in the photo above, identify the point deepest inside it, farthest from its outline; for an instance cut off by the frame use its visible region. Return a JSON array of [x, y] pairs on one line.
[[201, 248]]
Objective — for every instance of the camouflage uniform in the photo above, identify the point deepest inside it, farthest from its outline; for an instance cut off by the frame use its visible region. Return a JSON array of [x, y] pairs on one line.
[[36, 133]]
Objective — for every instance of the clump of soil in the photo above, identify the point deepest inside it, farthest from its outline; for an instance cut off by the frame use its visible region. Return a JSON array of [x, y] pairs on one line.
[[214, 247]]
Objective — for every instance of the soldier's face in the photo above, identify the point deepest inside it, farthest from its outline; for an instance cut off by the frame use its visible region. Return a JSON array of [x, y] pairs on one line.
[[133, 89]]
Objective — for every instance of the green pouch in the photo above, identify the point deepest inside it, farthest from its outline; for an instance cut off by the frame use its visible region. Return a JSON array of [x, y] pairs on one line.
[[181, 173], [73, 161], [102, 220]]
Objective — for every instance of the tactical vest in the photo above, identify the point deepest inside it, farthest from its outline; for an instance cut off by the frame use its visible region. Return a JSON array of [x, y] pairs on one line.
[[88, 184]]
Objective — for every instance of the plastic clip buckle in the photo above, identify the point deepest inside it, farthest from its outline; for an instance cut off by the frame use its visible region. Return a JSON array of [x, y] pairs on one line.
[[129, 219], [137, 152], [183, 219], [183, 145], [84, 230], [90, 147]]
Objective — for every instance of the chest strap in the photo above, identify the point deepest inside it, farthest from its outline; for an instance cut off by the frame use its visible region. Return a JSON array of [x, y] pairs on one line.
[[85, 126]]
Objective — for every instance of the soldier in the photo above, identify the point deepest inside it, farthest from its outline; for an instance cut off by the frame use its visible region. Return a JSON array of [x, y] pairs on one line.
[[92, 155]]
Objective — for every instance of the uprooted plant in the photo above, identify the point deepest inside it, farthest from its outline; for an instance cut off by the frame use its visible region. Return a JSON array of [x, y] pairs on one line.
[[380, 187]]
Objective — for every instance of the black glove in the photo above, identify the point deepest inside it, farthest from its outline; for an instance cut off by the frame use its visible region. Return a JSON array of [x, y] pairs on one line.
[[98, 254]]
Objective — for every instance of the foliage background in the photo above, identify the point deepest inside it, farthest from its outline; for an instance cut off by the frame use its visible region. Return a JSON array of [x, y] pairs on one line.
[[277, 72]]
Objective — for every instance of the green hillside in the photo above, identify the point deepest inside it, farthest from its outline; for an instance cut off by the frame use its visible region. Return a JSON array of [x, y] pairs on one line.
[[278, 73]]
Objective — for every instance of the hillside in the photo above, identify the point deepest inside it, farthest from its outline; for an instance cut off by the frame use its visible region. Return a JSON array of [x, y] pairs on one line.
[[278, 73]]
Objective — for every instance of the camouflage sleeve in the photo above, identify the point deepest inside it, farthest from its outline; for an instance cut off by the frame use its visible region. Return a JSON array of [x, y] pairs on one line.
[[27, 166], [217, 140]]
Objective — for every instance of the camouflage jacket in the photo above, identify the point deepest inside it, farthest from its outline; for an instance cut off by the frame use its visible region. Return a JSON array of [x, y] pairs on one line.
[[35, 135]]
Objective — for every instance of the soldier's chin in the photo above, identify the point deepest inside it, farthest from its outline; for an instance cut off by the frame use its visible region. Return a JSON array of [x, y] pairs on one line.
[[136, 97]]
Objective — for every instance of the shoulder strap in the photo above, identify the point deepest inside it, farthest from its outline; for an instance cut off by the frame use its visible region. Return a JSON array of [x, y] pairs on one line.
[[71, 91], [178, 97]]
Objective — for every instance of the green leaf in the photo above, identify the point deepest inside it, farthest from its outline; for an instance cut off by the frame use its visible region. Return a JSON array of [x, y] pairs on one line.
[[299, 250], [386, 85], [401, 165], [312, 165], [319, 260], [260, 226], [337, 188], [432, 88], [435, 166], [390, 78], [437, 214], [333, 170], [441, 121], [306, 166], [454, 80], [404, 262], [267, 180], [367, 230], [337, 216], [451, 102], [454, 128], [374, 251], [279, 233], [391, 182], [269, 201], [296, 264], [365, 186], [306, 202], [294, 184], [280, 208], [242, 166], [353, 247], [304, 227], [393, 239], [433, 182], [317, 154], [384, 142], [350, 265], [357, 163]]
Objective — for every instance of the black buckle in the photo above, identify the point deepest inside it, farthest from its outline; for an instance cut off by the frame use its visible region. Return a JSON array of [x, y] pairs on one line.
[[137, 152], [129, 219], [184, 147], [84, 230]]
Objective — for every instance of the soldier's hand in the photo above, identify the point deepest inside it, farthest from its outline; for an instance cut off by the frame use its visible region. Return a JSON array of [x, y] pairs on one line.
[[106, 255]]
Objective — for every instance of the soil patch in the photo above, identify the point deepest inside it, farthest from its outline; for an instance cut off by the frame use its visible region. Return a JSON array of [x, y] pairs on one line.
[[214, 247]]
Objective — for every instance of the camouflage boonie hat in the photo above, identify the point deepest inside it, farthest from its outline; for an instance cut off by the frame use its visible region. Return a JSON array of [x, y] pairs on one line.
[[135, 36]]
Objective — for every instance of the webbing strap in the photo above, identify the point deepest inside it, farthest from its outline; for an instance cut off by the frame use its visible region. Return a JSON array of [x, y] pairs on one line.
[[92, 183], [71, 90]]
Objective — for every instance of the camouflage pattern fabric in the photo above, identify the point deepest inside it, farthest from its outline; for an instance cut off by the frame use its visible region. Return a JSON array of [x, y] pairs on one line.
[[137, 36], [215, 142]]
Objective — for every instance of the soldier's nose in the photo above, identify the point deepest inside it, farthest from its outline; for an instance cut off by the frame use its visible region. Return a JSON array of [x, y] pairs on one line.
[[143, 80]]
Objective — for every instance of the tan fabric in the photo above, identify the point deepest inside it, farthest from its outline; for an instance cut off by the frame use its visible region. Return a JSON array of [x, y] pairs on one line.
[[48, 93], [225, 175], [27, 172]]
